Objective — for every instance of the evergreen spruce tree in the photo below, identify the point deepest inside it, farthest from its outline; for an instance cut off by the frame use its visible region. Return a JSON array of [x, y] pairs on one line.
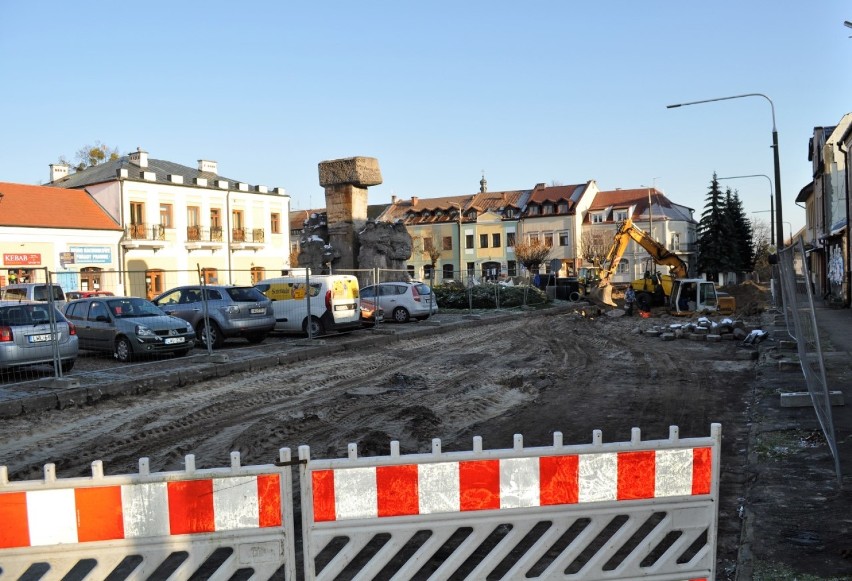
[[742, 231], [716, 247]]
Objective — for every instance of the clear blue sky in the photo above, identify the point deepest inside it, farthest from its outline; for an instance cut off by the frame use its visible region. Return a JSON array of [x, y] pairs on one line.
[[438, 91]]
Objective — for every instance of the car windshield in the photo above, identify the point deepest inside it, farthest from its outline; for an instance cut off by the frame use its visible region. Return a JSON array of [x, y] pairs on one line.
[[246, 294], [133, 307]]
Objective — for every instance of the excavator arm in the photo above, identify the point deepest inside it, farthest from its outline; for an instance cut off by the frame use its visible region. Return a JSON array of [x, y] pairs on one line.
[[626, 232]]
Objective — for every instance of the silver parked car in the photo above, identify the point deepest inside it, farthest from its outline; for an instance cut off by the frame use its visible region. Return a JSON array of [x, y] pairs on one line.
[[233, 311], [403, 300], [128, 327], [26, 338]]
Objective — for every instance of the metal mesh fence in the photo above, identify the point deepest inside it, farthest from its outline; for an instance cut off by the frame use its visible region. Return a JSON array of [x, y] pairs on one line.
[[798, 304]]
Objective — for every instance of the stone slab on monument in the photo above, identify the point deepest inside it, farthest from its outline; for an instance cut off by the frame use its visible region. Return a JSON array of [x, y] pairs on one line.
[[362, 172]]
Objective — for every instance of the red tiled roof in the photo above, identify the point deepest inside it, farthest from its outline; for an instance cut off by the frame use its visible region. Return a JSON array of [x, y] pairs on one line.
[[543, 193], [49, 207], [625, 198], [401, 208], [484, 201], [297, 217]]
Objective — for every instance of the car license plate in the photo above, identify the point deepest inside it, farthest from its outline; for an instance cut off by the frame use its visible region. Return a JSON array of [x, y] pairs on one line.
[[39, 338], [258, 311], [174, 340], [344, 307]]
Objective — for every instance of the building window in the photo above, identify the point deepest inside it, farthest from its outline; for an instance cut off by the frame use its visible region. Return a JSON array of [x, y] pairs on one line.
[[623, 267], [548, 239], [532, 210], [532, 237], [495, 240], [210, 275], [410, 269], [597, 218], [447, 242], [137, 213], [471, 269], [512, 268], [166, 215], [509, 213], [548, 209], [427, 244], [447, 271], [468, 241], [620, 215], [193, 216], [238, 233], [275, 223], [564, 239], [563, 207], [483, 240], [215, 225], [510, 239]]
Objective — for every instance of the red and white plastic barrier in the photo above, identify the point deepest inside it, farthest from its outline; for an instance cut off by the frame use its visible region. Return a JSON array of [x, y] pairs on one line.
[[107, 518], [402, 495]]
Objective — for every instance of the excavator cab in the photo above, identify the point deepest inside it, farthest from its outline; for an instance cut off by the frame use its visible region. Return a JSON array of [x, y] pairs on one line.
[[693, 295]]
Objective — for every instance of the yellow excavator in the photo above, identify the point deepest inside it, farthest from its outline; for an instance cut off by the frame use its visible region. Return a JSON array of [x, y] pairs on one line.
[[682, 295]]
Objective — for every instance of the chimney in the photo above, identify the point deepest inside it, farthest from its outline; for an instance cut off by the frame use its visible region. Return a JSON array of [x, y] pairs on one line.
[[139, 157], [58, 171], [414, 200], [393, 198], [208, 166]]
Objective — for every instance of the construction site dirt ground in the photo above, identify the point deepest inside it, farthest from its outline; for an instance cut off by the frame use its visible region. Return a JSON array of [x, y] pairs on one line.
[[570, 370]]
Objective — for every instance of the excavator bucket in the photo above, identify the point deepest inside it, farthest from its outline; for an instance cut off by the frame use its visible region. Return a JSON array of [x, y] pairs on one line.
[[603, 294]]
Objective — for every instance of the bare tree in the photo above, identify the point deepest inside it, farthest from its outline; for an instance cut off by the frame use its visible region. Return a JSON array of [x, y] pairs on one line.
[[594, 246], [531, 254], [760, 239], [91, 155]]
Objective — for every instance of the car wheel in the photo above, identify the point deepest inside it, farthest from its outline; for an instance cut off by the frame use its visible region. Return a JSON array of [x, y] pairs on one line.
[[216, 338], [317, 328], [123, 349], [67, 365], [256, 338], [400, 315]]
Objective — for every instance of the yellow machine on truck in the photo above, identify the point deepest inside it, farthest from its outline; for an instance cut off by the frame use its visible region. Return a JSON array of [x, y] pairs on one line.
[[682, 295]]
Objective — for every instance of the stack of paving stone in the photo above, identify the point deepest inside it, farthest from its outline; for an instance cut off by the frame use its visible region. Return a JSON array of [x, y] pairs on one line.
[[703, 329]]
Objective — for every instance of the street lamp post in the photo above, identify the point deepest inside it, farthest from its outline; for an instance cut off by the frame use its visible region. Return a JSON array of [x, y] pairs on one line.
[[776, 159], [453, 204], [771, 203]]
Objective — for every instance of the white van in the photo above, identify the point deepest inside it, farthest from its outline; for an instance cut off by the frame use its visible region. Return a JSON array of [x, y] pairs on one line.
[[33, 291], [335, 302]]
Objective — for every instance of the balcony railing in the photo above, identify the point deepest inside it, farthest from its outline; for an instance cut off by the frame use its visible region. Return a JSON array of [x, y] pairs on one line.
[[251, 235], [145, 232], [199, 234]]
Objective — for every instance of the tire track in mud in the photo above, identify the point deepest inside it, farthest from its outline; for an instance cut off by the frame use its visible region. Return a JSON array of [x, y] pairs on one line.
[[421, 387], [282, 402]]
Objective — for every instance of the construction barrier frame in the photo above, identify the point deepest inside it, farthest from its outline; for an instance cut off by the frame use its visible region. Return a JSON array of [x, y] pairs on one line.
[[613, 511], [221, 523]]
